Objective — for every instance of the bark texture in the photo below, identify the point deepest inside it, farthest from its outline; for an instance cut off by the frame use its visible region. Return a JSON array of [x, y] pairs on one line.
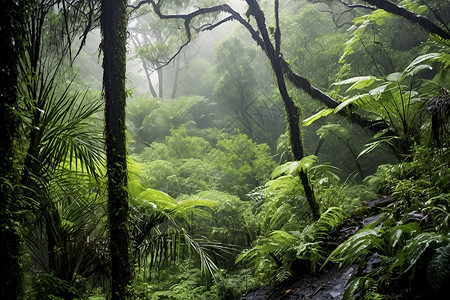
[[13, 17], [114, 28]]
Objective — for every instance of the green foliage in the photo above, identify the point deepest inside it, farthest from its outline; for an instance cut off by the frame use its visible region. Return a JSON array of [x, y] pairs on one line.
[[151, 119], [396, 100], [232, 222], [180, 282], [293, 168], [158, 229], [374, 46], [402, 249], [284, 205], [187, 164], [47, 286], [438, 273], [408, 250], [242, 92], [68, 241], [417, 181], [273, 254], [244, 163], [311, 42]]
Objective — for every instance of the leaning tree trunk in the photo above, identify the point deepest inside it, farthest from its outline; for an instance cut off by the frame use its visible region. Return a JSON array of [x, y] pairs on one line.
[[422, 21], [292, 111], [114, 28], [13, 13]]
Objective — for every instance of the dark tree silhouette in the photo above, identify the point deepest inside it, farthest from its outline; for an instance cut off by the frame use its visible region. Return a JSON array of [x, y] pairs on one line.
[[114, 28], [13, 17], [410, 16]]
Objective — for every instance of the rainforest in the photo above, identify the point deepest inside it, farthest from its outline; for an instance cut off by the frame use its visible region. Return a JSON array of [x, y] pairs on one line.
[[224, 149]]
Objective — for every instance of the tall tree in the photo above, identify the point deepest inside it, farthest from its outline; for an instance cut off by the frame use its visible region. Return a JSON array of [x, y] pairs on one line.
[[114, 28], [13, 17], [272, 50]]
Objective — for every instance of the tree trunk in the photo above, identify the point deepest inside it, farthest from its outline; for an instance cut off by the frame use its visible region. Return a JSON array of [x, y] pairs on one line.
[[410, 16], [13, 13], [114, 28], [135, 41], [292, 111], [160, 83], [175, 80]]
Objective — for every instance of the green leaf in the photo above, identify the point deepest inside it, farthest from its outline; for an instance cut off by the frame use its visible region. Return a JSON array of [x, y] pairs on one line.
[[293, 167], [355, 80], [156, 198], [288, 168], [419, 60], [416, 70], [323, 113], [359, 85], [190, 203], [394, 76], [372, 146], [345, 103], [336, 129]]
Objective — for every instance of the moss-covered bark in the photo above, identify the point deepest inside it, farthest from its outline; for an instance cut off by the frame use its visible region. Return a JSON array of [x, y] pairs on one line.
[[291, 109], [114, 26]]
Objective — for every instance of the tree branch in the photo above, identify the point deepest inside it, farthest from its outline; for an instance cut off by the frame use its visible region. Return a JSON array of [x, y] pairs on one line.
[[277, 29], [298, 81], [357, 5], [304, 84], [410, 16]]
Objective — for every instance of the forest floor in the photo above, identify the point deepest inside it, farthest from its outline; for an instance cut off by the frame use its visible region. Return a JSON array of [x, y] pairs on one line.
[[328, 285], [331, 283]]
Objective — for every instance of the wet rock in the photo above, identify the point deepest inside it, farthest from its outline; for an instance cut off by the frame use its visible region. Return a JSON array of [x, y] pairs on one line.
[[416, 216], [328, 285], [373, 262], [371, 219], [381, 202]]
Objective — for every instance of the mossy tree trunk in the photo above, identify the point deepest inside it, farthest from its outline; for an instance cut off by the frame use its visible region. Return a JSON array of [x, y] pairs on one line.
[[114, 28], [13, 17], [291, 109]]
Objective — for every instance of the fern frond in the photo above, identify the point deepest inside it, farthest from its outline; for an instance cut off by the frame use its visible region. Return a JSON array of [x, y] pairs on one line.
[[418, 245], [356, 247], [330, 219], [397, 236], [438, 270]]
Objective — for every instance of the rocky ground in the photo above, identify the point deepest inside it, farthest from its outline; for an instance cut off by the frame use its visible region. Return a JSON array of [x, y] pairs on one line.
[[329, 285]]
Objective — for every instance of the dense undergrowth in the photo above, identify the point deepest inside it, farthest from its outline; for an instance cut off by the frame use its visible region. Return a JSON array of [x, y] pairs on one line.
[[217, 206]]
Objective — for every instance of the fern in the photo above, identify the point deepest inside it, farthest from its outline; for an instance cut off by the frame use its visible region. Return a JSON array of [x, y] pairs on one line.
[[357, 247], [420, 244], [438, 271], [280, 248], [363, 286]]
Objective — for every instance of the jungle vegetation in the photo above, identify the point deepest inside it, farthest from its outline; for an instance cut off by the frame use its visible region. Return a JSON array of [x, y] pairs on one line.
[[202, 149]]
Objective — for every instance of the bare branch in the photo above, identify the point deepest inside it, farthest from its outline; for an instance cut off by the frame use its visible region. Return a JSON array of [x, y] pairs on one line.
[[233, 15], [336, 21], [277, 29], [303, 84], [209, 27], [357, 5], [299, 81]]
